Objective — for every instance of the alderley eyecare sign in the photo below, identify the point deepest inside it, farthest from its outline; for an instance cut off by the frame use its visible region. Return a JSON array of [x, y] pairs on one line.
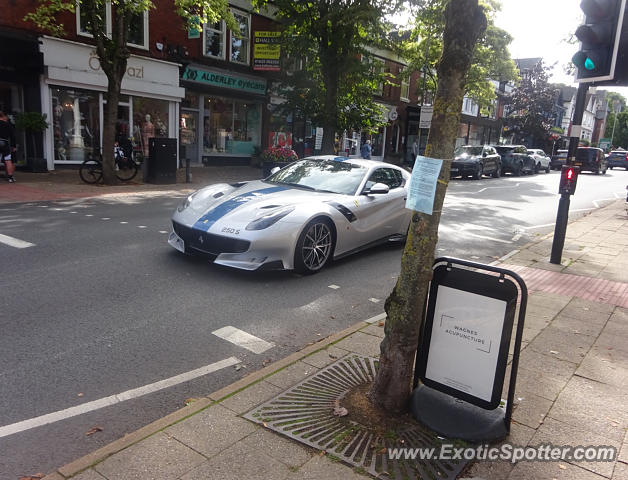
[[267, 51], [225, 80]]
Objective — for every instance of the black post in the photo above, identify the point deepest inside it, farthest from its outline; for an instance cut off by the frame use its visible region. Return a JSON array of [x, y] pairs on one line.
[[188, 175], [562, 217]]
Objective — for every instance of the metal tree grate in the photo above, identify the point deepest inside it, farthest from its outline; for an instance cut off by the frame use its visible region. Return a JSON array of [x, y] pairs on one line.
[[305, 413]]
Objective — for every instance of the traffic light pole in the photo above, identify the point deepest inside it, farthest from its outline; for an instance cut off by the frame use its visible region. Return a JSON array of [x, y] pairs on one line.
[[562, 217]]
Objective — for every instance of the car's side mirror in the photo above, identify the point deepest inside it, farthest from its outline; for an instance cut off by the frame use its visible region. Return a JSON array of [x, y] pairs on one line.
[[378, 189], [484, 154], [275, 170]]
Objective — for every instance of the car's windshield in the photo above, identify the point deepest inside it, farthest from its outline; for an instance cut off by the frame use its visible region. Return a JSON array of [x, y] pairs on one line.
[[468, 150], [502, 150], [322, 175]]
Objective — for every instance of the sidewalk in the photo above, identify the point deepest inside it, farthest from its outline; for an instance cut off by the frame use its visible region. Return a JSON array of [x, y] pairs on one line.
[[571, 384], [66, 184]]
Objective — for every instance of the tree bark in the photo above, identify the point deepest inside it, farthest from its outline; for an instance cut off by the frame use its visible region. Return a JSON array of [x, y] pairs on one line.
[[465, 22]]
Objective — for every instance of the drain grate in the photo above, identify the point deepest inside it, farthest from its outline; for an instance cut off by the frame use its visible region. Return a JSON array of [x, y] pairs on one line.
[[305, 413]]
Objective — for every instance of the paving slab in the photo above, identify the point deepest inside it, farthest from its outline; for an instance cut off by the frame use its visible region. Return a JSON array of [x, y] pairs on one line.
[[280, 448], [605, 366], [614, 336], [588, 305], [545, 384], [158, 457], [561, 434], [291, 375], [361, 343], [322, 468], [620, 472], [594, 406], [251, 397], [549, 301], [375, 330], [238, 463], [623, 453], [531, 409], [89, 475], [574, 325], [551, 471], [325, 357], [541, 362], [571, 347], [212, 430]]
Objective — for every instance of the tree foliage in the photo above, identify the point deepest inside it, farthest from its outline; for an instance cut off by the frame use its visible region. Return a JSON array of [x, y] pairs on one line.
[[531, 107], [491, 59], [111, 47], [620, 133], [335, 85]]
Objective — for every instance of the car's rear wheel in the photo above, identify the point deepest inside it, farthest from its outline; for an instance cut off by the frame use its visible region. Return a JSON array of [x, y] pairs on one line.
[[498, 171], [314, 247]]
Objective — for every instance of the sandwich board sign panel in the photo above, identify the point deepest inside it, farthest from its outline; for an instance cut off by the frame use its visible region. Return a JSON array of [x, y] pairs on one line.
[[463, 349]]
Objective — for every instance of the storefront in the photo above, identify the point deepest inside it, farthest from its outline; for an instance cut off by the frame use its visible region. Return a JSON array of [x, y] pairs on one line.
[[73, 98], [20, 68], [221, 116]]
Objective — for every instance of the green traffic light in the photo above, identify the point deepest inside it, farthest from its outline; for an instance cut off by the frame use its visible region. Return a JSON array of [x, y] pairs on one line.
[[589, 64]]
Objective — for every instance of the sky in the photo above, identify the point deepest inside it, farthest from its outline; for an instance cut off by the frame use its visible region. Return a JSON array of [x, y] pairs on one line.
[[540, 29]]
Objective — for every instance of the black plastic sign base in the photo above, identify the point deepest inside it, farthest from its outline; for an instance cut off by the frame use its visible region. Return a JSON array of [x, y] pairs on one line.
[[454, 418]]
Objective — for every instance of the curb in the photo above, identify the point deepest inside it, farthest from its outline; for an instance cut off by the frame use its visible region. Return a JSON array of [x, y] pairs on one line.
[[213, 398]]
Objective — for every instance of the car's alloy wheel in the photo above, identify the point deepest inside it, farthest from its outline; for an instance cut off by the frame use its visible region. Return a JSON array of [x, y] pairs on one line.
[[314, 247], [498, 171], [537, 167], [547, 170]]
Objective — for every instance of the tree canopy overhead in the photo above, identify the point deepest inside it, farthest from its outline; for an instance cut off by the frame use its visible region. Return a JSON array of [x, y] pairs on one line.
[[491, 59]]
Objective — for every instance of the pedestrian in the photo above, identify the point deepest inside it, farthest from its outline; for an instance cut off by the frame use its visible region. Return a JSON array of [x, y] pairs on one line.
[[7, 145], [365, 151], [415, 149]]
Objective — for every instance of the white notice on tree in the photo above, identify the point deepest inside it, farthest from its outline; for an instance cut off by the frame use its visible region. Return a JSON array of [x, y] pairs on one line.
[[318, 141], [422, 187], [466, 336]]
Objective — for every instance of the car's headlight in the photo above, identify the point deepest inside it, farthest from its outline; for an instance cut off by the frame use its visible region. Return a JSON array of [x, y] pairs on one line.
[[186, 203], [269, 218]]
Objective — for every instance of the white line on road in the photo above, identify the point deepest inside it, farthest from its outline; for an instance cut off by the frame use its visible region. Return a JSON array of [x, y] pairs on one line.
[[113, 399], [243, 339], [15, 242]]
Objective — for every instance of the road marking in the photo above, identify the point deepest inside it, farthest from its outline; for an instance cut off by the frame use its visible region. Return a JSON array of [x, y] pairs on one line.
[[505, 257], [123, 223], [105, 218], [333, 287], [141, 226], [243, 339], [15, 242], [113, 399], [515, 238], [487, 238], [162, 231], [374, 300], [597, 205], [89, 215]]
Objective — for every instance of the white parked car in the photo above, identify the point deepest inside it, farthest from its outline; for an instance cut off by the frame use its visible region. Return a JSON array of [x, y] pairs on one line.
[[541, 160]]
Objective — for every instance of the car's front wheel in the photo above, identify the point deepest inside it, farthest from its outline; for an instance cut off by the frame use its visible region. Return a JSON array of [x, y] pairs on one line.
[[314, 247], [498, 171], [478, 172]]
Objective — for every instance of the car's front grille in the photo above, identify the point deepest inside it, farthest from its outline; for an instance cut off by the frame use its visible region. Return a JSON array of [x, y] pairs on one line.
[[208, 242]]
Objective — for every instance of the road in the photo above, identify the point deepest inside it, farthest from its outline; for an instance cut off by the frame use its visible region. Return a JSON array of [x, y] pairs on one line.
[[104, 325]]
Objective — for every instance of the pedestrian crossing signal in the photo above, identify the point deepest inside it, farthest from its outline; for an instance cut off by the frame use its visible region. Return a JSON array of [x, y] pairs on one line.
[[568, 179]]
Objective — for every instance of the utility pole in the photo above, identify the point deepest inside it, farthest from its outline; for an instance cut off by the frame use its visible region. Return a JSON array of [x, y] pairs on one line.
[[562, 217]]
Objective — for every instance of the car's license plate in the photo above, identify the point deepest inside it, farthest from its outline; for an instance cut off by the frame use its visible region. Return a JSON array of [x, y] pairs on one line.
[[454, 169], [177, 242]]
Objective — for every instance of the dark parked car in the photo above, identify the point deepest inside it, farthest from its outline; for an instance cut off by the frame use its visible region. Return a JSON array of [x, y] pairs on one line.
[[559, 159], [590, 159], [475, 161], [617, 158], [515, 159]]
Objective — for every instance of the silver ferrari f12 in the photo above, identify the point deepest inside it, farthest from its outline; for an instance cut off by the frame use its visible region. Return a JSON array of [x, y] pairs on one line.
[[298, 218]]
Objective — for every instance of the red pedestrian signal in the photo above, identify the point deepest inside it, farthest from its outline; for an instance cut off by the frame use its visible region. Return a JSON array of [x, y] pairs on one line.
[[568, 179]]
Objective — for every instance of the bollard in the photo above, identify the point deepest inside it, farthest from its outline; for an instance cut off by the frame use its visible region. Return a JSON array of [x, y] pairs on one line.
[[188, 174]]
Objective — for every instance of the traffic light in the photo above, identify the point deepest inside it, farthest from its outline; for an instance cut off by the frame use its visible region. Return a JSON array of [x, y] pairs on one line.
[[568, 179], [600, 37]]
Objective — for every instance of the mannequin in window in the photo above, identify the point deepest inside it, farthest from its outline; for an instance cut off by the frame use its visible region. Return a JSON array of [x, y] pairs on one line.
[[148, 131]]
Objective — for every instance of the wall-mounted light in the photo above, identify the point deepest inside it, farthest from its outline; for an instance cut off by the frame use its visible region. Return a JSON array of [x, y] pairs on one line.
[[159, 46]]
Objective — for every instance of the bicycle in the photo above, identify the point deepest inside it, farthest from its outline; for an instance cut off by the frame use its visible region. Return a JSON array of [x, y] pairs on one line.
[[126, 167]]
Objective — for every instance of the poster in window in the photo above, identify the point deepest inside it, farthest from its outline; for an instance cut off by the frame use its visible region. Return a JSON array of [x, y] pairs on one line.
[[267, 51]]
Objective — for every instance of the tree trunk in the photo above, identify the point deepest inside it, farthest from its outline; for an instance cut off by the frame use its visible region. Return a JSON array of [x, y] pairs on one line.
[[465, 22], [109, 131]]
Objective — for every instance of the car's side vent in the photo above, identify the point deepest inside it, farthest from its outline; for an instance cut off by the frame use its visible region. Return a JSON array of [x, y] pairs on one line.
[[348, 214], [266, 207], [218, 195]]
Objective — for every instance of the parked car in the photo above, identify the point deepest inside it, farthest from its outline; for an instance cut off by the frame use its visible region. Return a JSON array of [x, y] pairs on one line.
[[541, 160], [300, 217], [617, 158], [559, 159], [515, 159], [475, 161], [590, 159]]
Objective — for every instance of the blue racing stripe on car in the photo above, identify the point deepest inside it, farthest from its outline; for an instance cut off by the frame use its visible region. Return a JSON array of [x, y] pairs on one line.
[[208, 219]]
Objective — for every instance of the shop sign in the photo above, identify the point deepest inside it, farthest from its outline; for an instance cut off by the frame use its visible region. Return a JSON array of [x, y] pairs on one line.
[[225, 80], [267, 51]]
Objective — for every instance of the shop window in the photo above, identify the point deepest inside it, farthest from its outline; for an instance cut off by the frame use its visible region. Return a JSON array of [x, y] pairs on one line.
[[231, 126], [190, 100], [138, 30], [214, 40], [82, 23], [240, 44], [150, 119], [76, 122]]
